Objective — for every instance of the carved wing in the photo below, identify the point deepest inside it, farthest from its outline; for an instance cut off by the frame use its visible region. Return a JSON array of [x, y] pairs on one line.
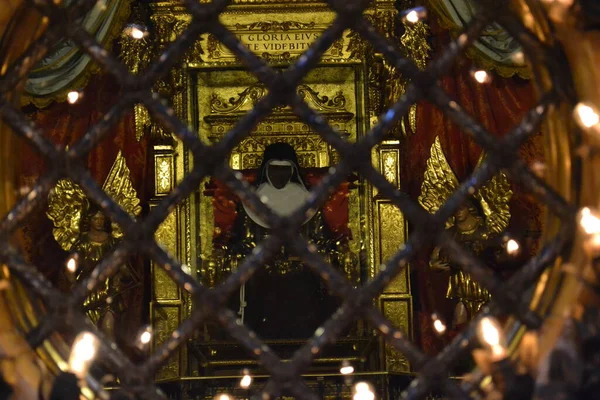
[[119, 187], [494, 197], [439, 180], [66, 205]]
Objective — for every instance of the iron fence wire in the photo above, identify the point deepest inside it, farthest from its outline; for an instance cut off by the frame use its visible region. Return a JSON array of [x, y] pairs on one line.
[[63, 310]]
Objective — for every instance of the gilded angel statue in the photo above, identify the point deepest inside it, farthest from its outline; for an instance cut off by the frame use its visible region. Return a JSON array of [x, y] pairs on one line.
[[82, 229], [483, 217]]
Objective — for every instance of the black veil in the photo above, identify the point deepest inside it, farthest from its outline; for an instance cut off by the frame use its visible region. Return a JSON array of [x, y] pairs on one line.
[[280, 151]]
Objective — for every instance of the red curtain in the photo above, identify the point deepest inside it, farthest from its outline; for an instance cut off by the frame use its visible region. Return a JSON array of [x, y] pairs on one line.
[[225, 202], [499, 106]]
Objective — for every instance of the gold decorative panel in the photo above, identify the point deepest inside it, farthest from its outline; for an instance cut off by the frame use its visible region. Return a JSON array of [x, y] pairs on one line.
[[223, 96], [390, 165], [391, 235], [281, 34], [164, 287], [398, 309], [166, 306], [166, 320], [164, 174]]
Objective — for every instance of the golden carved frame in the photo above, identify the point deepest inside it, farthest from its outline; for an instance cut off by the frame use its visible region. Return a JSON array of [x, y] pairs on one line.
[[212, 91]]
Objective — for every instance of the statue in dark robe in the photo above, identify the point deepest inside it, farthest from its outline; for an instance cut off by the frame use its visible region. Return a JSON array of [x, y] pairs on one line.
[[284, 299]]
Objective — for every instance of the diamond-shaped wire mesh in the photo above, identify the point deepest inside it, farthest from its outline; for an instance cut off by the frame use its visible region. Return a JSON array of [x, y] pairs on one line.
[[63, 310]]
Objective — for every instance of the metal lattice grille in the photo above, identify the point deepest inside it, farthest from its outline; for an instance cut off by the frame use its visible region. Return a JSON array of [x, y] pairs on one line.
[[63, 310]]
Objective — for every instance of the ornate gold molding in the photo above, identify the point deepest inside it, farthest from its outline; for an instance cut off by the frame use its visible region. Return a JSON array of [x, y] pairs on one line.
[[255, 93], [279, 47], [252, 94], [266, 26], [338, 91]]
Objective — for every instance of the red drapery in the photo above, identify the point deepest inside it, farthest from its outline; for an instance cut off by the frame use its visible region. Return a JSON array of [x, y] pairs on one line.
[[225, 202], [498, 106]]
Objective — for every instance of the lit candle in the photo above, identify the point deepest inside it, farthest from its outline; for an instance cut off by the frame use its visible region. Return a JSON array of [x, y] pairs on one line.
[[136, 32], [512, 247], [346, 368], [587, 117], [144, 337], [72, 265], [494, 361], [363, 391], [589, 222], [438, 324], [490, 335], [246, 380], [74, 96], [414, 15], [481, 76], [83, 353]]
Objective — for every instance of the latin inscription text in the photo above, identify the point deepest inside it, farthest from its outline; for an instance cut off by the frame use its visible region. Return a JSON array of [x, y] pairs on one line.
[[260, 42]]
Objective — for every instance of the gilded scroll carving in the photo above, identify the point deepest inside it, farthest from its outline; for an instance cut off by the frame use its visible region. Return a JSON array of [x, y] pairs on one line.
[[323, 103], [250, 95], [255, 93]]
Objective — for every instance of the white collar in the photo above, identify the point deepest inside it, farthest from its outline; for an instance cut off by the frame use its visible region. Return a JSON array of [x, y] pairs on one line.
[[282, 201]]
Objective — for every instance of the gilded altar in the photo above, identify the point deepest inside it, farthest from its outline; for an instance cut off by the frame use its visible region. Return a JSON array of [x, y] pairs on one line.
[[350, 87]]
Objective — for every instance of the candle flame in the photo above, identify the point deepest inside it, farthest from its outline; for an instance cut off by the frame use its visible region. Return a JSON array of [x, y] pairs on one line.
[[589, 221], [512, 246], [73, 97], [489, 331], [72, 265], [363, 391], [246, 380], [347, 370], [412, 17], [481, 76], [83, 353], [145, 337], [439, 326], [586, 115]]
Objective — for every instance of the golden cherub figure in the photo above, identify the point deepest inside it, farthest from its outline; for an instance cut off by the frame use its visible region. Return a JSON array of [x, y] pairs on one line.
[[481, 218], [83, 230]]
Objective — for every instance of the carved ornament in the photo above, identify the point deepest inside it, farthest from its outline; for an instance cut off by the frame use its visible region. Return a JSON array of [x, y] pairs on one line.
[[255, 93]]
